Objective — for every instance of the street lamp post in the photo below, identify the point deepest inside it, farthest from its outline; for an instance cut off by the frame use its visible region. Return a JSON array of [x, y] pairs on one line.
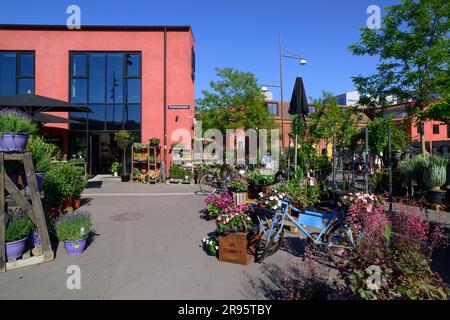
[[302, 62]]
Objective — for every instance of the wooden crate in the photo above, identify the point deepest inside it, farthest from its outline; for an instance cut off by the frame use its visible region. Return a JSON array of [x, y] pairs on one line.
[[238, 248], [240, 197]]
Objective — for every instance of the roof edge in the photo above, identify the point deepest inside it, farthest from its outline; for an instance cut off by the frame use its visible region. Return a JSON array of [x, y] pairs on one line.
[[96, 27]]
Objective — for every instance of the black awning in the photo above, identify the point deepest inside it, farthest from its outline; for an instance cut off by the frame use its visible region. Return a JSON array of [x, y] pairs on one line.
[[32, 103]]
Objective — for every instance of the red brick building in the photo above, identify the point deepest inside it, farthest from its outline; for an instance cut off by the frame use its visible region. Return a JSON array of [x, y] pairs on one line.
[[137, 78]]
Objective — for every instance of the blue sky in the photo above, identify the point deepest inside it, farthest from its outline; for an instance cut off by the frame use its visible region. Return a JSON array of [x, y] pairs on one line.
[[242, 34]]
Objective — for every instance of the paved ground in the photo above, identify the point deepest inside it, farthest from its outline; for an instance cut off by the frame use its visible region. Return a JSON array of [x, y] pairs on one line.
[[147, 247]]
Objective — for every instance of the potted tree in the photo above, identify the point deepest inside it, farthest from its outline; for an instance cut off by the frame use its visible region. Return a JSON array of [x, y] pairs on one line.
[[434, 177], [79, 182], [123, 139], [57, 188], [18, 226], [74, 229], [15, 128]]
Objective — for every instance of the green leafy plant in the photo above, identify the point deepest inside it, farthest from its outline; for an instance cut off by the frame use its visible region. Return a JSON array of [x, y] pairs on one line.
[[237, 186], [63, 180], [154, 142], [211, 245], [42, 153], [177, 171], [259, 178], [18, 226], [15, 121], [73, 227], [435, 172], [116, 167], [123, 139]]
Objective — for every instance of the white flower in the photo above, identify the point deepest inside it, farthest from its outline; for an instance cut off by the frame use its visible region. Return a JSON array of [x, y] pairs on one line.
[[274, 207], [271, 198], [373, 286], [82, 230], [204, 240], [217, 247]]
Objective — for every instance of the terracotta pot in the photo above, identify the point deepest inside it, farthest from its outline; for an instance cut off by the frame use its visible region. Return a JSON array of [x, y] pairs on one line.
[[76, 203], [67, 203]]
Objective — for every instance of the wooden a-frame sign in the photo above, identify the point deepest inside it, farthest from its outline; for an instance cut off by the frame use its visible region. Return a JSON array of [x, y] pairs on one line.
[[34, 210]]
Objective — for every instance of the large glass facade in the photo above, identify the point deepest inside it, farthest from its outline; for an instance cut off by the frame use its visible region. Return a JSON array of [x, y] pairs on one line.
[[16, 72], [110, 84]]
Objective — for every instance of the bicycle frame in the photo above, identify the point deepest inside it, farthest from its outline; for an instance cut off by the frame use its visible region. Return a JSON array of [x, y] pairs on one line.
[[282, 213]]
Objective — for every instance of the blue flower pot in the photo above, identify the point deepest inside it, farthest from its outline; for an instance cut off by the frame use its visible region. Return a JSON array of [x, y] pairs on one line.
[[16, 142]]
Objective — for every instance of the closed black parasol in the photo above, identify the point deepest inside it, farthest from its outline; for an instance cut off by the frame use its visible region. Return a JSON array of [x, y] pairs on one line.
[[32, 103], [298, 106], [299, 103]]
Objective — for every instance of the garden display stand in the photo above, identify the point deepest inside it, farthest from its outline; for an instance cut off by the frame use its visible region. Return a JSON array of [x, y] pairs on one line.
[[34, 211]]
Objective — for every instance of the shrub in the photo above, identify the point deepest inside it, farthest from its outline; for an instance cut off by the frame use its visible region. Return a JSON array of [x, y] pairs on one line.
[[15, 121], [177, 171], [63, 180], [260, 178], [42, 153], [73, 227], [18, 226], [398, 247]]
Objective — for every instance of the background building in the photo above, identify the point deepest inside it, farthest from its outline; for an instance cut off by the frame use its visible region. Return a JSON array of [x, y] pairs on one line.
[[137, 78]]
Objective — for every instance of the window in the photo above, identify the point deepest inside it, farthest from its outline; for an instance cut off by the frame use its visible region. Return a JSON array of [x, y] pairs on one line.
[[273, 108], [193, 64], [435, 129], [110, 84], [16, 72]]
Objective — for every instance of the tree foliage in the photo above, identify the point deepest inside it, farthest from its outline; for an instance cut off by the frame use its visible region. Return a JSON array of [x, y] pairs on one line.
[[235, 102], [413, 47]]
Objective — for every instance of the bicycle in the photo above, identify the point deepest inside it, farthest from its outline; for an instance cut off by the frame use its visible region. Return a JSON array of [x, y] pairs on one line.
[[334, 234], [211, 183]]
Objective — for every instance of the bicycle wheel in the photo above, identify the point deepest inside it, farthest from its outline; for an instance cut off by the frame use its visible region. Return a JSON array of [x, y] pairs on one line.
[[340, 242], [265, 248], [208, 184]]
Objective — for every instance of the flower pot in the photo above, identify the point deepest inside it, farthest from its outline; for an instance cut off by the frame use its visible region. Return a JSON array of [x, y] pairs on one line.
[[238, 248], [67, 203], [15, 249], [397, 156], [435, 197], [75, 248], [34, 239], [76, 203], [16, 142], [115, 174], [239, 197], [125, 177], [39, 179], [15, 179]]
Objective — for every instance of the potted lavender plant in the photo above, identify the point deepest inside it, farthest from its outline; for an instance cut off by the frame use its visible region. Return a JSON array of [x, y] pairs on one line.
[[74, 230], [15, 127], [18, 226]]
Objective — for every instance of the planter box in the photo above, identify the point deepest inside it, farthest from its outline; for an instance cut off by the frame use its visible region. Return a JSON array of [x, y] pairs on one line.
[[240, 197], [238, 248]]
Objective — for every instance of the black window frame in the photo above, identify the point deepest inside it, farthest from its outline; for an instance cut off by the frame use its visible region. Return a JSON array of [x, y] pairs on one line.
[[436, 129], [18, 53], [105, 103], [277, 108]]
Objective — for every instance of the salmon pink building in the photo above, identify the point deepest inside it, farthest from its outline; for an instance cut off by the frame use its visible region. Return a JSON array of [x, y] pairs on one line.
[[137, 78]]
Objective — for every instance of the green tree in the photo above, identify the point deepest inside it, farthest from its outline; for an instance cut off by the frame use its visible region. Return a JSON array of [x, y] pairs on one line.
[[413, 48], [235, 102]]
